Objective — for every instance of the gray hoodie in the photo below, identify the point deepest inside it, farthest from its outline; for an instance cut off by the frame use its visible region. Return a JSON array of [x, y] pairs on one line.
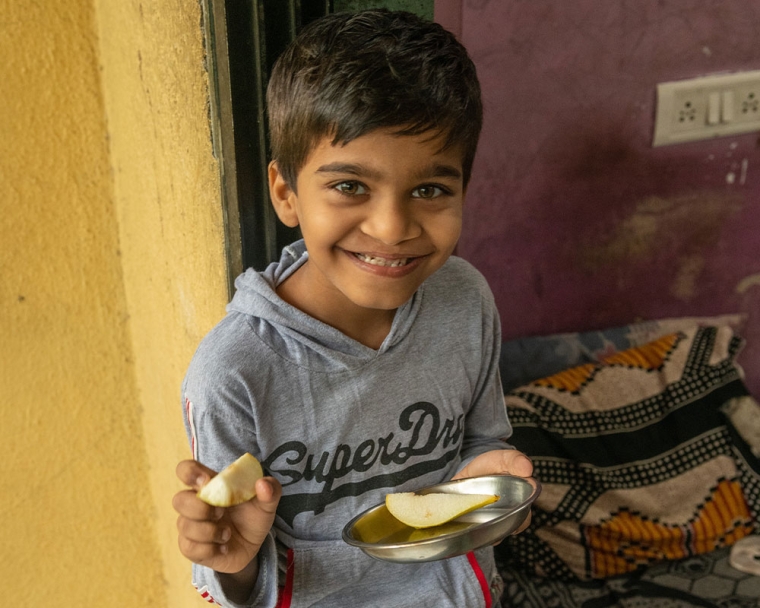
[[340, 425]]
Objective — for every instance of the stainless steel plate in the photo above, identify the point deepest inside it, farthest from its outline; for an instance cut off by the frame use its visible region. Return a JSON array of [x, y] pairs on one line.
[[382, 536]]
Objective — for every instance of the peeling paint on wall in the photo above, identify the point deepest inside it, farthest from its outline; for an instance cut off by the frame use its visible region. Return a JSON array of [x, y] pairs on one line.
[[685, 284], [744, 285], [690, 223]]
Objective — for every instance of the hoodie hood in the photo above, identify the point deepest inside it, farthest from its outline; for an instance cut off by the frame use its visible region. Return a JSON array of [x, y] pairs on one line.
[[283, 326]]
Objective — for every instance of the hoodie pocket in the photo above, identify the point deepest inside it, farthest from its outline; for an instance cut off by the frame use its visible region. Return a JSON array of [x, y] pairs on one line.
[[331, 574]]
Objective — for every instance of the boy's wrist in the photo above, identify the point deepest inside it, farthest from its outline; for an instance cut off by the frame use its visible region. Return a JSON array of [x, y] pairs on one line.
[[238, 586]]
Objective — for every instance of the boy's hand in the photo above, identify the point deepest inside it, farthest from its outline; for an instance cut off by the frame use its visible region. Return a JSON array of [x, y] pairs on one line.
[[224, 539], [497, 462]]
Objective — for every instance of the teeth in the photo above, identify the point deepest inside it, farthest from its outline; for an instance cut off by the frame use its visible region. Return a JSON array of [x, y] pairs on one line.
[[381, 261]]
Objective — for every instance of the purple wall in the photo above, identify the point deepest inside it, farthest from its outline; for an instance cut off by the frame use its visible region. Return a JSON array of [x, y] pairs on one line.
[[576, 221]]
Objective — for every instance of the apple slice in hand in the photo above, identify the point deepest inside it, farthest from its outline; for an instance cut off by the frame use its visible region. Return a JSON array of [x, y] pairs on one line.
[[434, 509], [234, 485]]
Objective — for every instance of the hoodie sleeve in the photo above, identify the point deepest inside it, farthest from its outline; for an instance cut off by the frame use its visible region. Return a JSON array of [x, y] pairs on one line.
[[486, 424], [264, 593], [220, 427]]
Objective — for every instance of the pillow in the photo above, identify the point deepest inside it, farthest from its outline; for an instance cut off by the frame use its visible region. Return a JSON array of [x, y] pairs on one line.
[[638, 460], [526, 359]]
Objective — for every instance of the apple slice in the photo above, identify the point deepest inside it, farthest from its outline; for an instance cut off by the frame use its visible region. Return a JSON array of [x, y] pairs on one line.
[[435, 508], [234, 485]]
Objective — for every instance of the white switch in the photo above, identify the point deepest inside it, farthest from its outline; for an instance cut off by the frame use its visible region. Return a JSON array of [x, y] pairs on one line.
[[727, 106], [713, 108]]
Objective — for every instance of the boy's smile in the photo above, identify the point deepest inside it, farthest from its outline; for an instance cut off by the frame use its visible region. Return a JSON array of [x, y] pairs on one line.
[[378, 215]]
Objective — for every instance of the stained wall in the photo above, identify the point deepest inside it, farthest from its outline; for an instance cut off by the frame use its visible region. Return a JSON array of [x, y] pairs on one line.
[[575, 219]]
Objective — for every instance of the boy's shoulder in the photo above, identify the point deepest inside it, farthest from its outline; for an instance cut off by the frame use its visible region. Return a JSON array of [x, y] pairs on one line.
[[224, 347], [458, 275], [460, 266]]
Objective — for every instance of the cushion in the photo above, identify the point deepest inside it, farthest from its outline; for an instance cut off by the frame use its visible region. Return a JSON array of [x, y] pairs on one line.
[[638, 459], [526, 359]]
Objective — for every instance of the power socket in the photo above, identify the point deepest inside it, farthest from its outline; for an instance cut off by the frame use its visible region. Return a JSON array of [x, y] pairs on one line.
[[689, 110], [748, 104], [707, 107]]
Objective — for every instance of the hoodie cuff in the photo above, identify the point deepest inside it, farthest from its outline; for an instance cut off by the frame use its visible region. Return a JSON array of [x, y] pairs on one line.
[[264, 593]]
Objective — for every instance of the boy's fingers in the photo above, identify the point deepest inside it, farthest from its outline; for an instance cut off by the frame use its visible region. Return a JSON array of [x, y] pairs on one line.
[[203, 531], [200, 552], [519, 464], [511, 462], [497, 462], [187, 504], [192, 473]]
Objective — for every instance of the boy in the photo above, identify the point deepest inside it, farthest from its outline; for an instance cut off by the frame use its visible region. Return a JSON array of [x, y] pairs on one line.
[[366, 360]]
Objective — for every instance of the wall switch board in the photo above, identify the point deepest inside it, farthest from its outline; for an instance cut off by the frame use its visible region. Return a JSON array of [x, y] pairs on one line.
[[707, 107]]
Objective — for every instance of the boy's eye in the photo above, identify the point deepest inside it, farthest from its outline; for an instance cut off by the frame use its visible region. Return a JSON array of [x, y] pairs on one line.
[[350, 188], [428, 192]]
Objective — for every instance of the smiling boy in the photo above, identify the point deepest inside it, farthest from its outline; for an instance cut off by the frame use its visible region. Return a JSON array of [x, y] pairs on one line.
[[366, 360], [379, 214]]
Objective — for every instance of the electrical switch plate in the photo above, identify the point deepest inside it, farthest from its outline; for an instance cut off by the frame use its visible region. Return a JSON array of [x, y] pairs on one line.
[[707, 107]]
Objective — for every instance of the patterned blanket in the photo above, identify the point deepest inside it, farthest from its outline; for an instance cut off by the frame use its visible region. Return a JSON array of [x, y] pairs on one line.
[[643, 468], [704, 581]]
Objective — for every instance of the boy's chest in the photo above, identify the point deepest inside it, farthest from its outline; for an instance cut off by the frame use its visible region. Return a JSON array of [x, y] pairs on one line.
[[340, 438]]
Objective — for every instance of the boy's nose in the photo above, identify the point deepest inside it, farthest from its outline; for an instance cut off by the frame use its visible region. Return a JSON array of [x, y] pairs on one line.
[[391, 221]]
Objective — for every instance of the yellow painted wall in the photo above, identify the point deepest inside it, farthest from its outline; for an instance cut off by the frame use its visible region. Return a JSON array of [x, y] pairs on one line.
[[170, 224], [111, 270]]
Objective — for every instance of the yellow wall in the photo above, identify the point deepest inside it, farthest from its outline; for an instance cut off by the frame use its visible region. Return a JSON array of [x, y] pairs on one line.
[[111, 270]]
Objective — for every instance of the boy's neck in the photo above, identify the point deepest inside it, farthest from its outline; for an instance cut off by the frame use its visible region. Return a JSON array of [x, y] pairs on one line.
[[369, 327]]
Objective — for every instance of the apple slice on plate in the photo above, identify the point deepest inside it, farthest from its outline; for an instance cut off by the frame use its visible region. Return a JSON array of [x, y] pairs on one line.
[[435, 508], [234, 485]]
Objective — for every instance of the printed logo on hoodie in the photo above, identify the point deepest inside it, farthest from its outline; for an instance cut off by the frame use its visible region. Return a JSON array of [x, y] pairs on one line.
[[421, 432]]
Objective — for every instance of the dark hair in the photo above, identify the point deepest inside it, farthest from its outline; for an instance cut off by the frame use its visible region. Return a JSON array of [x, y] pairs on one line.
[[347, 74]]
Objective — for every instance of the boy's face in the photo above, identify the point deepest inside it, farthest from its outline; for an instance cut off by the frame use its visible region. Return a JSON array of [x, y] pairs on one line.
[[378, 215]]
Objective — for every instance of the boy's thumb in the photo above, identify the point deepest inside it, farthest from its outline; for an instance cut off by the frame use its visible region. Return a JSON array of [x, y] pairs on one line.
[[268, 492]]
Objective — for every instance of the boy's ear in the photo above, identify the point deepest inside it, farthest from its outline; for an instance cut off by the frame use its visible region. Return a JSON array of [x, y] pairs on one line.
[[283, 197]]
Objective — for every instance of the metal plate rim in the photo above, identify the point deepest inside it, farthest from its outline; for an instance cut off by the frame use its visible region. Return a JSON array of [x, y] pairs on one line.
[[372, 549]]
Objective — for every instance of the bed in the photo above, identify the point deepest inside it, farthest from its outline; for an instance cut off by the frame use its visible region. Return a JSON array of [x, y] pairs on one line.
[[647, 444]]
